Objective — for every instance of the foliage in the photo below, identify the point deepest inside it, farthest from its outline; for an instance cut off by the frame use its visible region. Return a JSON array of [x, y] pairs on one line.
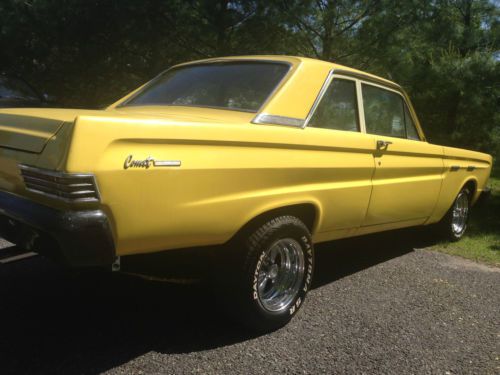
[[444, 52]]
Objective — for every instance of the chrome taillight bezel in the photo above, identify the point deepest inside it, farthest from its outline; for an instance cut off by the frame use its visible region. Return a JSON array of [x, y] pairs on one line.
[[63, 186]]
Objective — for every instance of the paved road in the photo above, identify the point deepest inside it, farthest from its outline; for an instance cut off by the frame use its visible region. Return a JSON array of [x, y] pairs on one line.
[[378, 306]]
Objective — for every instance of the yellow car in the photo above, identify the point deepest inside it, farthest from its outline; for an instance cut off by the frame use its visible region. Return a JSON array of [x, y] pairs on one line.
[[262, 155]]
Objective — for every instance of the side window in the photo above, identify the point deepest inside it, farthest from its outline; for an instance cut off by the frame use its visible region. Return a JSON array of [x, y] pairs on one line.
[[383, 112], [411, 130], [338, 108]]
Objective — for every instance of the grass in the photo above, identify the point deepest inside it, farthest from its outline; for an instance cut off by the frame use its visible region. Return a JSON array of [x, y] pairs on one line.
[[482, 240]]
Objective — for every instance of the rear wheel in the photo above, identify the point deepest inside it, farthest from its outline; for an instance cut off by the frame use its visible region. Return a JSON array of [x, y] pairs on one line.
[[273, 274], [454, 224]]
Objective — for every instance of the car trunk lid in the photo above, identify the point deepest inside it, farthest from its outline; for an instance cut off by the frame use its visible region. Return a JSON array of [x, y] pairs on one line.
[[29, 129]]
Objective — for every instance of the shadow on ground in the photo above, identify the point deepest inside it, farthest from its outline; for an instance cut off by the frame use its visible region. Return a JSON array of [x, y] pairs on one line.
[[53, 321], [341, 258]]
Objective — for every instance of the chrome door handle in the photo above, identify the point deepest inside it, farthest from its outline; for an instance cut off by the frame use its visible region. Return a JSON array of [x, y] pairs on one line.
[[381, 144]]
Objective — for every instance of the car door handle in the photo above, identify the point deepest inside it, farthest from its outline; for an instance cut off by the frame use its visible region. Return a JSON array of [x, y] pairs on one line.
[[381, 144]]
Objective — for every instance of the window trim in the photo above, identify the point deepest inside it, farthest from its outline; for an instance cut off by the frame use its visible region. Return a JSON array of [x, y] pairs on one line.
[[361, 107], [406, 110], [360, 78], [323, 91]]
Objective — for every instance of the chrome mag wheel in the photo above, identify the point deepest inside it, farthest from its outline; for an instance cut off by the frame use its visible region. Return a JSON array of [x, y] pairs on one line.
[[281, 274], [460, 213]]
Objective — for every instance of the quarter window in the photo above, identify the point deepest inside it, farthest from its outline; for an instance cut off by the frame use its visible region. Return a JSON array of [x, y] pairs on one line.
[[338, 108]]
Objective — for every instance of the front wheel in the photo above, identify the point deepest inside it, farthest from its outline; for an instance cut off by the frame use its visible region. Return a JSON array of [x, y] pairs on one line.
[[454, 224], [275, 273]]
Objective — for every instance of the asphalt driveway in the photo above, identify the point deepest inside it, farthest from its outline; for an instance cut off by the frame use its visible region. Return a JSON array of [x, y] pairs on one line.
[[378, 306]]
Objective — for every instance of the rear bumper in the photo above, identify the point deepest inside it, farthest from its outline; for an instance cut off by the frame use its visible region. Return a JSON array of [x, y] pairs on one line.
[[79, 238]]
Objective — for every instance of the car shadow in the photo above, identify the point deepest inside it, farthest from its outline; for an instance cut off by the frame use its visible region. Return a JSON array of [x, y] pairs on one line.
[[55, 321], [337, 259]]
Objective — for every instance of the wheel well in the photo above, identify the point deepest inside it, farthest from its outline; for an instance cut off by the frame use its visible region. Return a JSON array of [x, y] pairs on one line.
[[472, 185], [306, 212]]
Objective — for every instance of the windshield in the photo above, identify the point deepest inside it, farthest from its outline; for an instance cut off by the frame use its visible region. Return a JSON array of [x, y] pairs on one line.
[[240, 86], [16, 89]]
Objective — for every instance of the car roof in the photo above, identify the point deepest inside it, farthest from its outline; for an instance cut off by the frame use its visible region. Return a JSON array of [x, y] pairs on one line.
[[294, 60]]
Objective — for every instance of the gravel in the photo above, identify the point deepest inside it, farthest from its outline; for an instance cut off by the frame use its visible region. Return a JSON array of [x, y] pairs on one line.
[[379, 306]]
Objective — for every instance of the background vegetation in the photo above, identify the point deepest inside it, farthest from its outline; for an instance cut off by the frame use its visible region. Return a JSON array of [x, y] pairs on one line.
[[87, 53]]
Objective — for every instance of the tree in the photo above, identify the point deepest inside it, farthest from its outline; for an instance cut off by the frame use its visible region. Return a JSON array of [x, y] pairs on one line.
[[443, 52], [327, 29]]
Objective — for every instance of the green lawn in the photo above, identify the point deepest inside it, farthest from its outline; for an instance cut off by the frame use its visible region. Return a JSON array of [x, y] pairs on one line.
[[482, 241]]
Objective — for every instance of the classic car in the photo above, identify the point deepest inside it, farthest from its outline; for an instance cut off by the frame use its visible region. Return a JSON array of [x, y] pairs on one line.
[[16, 92], [258, 157]]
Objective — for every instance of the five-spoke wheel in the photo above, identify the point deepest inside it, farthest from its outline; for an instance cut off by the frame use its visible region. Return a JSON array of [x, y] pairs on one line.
[[454, 223], [281, 274], [273, 274]]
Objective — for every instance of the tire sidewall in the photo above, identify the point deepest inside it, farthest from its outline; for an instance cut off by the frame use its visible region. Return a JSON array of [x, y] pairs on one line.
[[303, 237]]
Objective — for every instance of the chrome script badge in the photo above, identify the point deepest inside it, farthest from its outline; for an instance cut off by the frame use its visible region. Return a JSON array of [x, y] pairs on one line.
[[149, 162]]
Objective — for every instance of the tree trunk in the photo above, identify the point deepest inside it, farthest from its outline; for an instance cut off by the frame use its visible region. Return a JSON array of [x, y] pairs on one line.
[[221, 24]]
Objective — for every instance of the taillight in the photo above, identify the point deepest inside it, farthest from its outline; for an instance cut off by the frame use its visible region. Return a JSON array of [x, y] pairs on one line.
[[70, 187]]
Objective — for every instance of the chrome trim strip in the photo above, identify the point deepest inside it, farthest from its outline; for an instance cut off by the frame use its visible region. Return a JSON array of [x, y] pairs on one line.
[[48, 172], [361, 107], [167, 163], [265, 118], [67, 200], [368, 78]]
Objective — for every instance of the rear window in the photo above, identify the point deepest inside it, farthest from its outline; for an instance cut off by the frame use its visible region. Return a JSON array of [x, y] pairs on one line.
[[242, 86]]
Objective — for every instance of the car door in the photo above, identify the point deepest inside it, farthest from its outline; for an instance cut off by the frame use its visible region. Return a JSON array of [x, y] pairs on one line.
[[408, 171], [346, 166]]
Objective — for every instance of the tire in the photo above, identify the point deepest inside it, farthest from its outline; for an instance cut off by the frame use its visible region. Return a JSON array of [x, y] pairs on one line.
[[454, 223], [274, 273]]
